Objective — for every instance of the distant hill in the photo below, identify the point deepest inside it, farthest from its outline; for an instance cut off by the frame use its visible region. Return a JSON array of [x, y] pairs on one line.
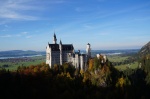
[[115, 52], [20, 53], [145, 49], [17, 53]]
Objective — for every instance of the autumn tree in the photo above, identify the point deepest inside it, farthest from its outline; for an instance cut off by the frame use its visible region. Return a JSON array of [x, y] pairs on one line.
[[91, 64]]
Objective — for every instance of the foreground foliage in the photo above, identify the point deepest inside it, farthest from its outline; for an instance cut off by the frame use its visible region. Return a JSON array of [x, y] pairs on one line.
[[100, 81]]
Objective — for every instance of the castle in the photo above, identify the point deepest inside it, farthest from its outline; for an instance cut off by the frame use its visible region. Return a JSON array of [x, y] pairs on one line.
[[62, 53]]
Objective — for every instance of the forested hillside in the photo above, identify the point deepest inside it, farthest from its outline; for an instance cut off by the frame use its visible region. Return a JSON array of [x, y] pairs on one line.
[[99, 81]]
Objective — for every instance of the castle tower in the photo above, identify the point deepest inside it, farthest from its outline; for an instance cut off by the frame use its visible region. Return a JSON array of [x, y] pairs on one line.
[[60, 47], [88, 50], [81, 62], [48, 55], [54, 39]]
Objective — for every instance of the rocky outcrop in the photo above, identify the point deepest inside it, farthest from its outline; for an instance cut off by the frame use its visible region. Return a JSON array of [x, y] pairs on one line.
[[145, 50]]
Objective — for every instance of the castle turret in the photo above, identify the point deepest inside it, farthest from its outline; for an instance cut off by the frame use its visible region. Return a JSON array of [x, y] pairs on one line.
[[60, 47], [54, 39], [88, 50]]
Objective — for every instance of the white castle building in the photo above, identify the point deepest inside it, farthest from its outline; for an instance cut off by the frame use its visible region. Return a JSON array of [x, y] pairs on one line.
[[61, 53]]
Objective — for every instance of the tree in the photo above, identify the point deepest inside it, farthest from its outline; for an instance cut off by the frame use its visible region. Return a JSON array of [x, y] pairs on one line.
[[56, 67], [91, 64], [120, 82]]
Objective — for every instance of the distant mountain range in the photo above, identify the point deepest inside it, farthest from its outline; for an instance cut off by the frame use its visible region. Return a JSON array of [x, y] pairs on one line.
[[145, 49], [18, 53], [21, 53], [115, 52]]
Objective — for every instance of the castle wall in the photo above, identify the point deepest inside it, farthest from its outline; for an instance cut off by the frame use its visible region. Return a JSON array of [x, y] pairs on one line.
[[47, 55], [69, 57], [64, 56], [83, 60], [77, 65], [55, 57], [61, 53]]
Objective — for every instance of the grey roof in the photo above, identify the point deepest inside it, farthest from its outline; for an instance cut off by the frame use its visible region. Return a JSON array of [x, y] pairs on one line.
[[54, 47], [65, 47]]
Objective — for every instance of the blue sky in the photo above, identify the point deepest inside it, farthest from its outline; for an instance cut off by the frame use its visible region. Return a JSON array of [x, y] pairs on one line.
[[105, 24]]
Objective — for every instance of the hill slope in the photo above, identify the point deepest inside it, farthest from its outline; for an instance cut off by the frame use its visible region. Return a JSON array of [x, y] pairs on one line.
[[145, 49]]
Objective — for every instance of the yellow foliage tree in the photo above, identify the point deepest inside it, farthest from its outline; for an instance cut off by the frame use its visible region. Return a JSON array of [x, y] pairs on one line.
[[91, 64], [121, 82], [81, 72], [87, 76], [68, 75]]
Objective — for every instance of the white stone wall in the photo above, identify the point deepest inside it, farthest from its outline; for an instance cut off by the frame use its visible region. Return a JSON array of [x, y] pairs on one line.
[[76, 61], [61, 55], [73, 61], [88, 50], [82, 62], [48, 55], [54, 57]]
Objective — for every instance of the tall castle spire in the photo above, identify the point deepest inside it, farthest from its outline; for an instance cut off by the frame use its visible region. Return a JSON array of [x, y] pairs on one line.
[[88, 50], [54, 39], [60, 42], [60, 47]]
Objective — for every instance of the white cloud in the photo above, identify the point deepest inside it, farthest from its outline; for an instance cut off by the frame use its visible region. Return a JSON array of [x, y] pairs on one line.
[[28, 37], [58, 1], [5, 36], [24, 33], [137, 38], [6, 26], [103, 33], [13, 9], [142, 19], [88, 26], [18, 35]]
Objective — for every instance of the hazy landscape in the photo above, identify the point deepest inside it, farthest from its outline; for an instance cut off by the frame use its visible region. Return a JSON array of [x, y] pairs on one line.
[[67, 49], [24, 72], [14, 58]]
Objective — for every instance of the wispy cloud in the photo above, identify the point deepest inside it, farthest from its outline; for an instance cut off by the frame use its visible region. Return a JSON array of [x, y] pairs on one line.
[[58, 1], [21, 34], [142, 19], [12, 9], [6, 26], [104, 33], [28, 37], [78, 9], [5, 36], [88, 26], [137, 38], [24, 33]]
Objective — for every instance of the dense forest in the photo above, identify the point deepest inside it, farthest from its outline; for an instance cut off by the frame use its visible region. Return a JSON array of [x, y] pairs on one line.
[[100, 81]]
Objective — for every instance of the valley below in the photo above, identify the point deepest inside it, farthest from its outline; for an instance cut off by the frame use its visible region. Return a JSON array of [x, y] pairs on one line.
[[121, 59]]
